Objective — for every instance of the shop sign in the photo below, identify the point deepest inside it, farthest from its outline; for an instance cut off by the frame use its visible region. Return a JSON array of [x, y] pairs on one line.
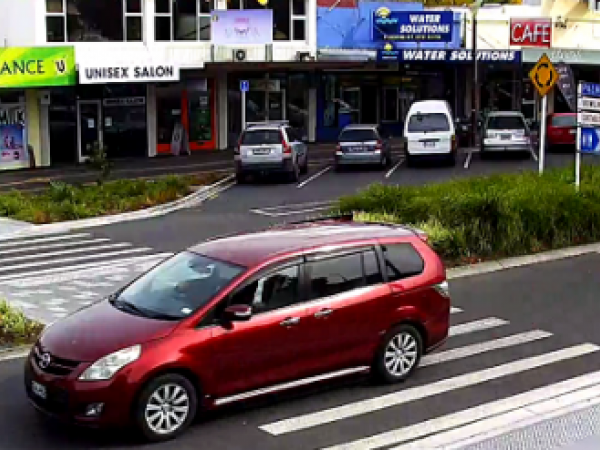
[[242, 27], [389, 53], [134, 73], [23, 67], [531, 32], [416, 26], [124, 101], [13, 142], [566, 84]]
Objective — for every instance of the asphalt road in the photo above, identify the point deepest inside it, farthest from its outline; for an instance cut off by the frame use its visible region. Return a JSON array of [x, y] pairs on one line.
[[540, 309]]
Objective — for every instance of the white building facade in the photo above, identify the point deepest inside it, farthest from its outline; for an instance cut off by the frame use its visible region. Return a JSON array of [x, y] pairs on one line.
[[146, 68]]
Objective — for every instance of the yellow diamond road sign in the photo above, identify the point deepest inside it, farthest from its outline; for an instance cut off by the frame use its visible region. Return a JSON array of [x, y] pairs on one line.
[[543, 75]]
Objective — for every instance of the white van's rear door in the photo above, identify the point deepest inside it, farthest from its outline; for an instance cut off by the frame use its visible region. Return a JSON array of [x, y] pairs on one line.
[[429, 133]]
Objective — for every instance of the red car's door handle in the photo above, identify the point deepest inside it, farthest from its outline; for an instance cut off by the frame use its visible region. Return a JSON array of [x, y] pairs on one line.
[[323, 313], [290, 321]]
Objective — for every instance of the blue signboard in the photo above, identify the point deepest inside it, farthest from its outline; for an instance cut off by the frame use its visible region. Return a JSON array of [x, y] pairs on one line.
[[244, 85], [590, 90], [416, 26], [390, 53], [589, 141]]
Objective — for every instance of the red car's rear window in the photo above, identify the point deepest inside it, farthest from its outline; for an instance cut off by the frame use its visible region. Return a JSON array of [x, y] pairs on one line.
[[564, 121]]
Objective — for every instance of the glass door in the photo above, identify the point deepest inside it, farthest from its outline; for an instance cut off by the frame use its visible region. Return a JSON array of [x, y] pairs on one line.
[[276, 104], [89, 130], [351, 95]]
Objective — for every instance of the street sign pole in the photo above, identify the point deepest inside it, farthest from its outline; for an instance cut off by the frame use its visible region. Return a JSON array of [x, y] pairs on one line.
[[542, 151], [544, 77]]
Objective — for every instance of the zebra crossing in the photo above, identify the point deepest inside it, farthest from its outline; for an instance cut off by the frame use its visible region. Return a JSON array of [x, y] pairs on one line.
[[528, 376], [50, 276]]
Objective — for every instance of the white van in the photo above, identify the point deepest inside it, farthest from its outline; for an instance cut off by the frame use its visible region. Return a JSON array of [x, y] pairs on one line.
[[429, 130]]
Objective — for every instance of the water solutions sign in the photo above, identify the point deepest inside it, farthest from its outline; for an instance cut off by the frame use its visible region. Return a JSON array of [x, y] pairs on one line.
[[132, 73], [23, 67], [417, 26]]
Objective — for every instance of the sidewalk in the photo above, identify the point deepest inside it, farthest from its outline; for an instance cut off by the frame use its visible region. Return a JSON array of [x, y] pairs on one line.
[[206, 161]]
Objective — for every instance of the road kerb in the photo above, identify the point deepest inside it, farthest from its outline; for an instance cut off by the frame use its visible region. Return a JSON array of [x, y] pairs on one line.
[[14, 353]]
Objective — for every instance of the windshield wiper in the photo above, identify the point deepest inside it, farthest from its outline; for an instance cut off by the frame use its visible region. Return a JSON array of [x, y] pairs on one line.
[[126, 306]]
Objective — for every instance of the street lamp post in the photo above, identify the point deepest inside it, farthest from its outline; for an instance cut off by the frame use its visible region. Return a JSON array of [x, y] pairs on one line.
[[475, 100]]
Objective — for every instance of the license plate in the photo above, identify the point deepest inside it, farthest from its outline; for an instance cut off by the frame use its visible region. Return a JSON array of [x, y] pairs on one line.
[[262, 151], [429, 144], [356, 149], [505, 137], [39, 390]]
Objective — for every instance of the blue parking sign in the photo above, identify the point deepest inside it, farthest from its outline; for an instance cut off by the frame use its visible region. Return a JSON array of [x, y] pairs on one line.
[[244, 85]]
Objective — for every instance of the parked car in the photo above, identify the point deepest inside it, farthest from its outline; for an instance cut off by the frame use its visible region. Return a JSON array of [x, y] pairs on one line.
[[429, 131], [363, 144], [505, 131], [270, 147], [561, 131], [242, 316]]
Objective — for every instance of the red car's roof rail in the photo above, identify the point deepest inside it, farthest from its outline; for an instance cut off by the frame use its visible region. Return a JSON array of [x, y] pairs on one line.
[[335, 217]]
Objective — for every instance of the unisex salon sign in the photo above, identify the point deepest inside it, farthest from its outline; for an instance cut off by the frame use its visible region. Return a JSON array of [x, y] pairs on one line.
[[133, 73]]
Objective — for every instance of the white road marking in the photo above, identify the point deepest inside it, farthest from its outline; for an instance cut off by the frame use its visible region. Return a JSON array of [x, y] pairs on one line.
[[67, 252], [293, 212], [314, 177], [455, 310], [534, 155], [477, 325], [290, 210], [37, 248], [483, 347], [470, 415], [94, 266], [393, 169], [468, 160], [21, 241], [401, 397], [515, 418]]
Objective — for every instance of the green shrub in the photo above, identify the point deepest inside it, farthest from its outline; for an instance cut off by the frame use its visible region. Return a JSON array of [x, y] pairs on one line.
[[491, 216], [15, 328]]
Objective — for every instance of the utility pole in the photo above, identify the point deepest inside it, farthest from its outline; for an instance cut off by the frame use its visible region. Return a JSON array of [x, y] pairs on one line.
[[475, 100]]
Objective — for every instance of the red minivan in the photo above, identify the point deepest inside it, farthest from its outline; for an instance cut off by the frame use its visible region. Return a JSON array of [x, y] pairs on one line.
[[243, 316], [562, 131]]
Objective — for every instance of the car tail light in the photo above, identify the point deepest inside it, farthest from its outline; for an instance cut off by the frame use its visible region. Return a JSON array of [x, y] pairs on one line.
[[286, 147], [442, 289], [338, 148], [238, 147], [379, 145]]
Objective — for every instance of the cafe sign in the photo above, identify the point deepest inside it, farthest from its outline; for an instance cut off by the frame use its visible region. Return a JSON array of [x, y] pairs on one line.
[[25, 67]]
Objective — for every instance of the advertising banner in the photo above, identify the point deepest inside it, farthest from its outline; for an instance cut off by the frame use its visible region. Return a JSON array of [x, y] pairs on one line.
[[23, 67], [242, 27], [566, 84], [389, 53], [13, 142], [416, 26]]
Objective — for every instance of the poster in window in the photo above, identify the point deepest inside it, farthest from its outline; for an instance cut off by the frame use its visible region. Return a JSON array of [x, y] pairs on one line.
[[200, 117], [13, 144]]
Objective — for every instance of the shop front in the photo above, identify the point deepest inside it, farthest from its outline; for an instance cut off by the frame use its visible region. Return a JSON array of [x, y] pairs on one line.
[[25, 73]]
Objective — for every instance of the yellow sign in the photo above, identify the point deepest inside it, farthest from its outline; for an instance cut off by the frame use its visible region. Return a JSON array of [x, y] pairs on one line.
[[543, 75]]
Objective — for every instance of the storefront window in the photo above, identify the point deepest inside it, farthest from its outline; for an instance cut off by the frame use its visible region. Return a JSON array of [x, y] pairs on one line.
[[200, 113], [92, 21], [62, 114], [168, 110], [390, 104], [289, 17], [184, 20], [297, 102], [13, 131]]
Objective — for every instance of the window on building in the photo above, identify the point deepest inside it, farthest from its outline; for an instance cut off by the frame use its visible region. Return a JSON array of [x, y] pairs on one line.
[[289, 17], [92, 21], [390, 104], [183, 20]]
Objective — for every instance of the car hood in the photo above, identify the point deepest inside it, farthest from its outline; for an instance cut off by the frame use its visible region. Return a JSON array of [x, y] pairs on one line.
[[99, 330]]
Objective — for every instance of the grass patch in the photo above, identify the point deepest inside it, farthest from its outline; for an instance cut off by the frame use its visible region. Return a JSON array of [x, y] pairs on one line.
[[62, 201], [15, 328], [474, 219]]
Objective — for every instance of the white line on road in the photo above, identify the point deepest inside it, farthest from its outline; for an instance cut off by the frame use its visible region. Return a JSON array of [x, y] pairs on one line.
[[476, 325], [37, 248], [483, 347], [393, 169], [294, 205], [401, 397], [314, 177], [291, 213], [515, 418], [289, 210], [468, 160], [24, 276], [534, 155], [471, 415], [38, 255], [21, 241], [455, 310], [70, 260]]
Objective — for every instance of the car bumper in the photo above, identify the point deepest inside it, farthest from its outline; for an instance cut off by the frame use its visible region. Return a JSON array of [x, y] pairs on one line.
[[507, 148], [358, 158], [260, 167], [68, 399]]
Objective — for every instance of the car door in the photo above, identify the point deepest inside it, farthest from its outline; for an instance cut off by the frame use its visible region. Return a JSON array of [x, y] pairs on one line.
[[270, 347], [346, 294]]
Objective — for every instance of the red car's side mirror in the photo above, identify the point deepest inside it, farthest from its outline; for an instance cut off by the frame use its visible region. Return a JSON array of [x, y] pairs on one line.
[[237, 313]]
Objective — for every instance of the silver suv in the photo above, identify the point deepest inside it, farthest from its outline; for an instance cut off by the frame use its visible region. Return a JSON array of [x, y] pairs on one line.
[[270, 147]]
